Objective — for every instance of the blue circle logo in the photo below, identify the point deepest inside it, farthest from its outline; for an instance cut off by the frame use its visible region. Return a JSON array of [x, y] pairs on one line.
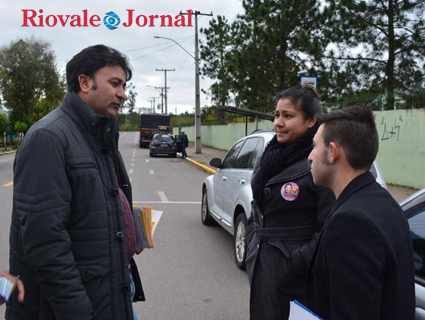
[[111, 20]]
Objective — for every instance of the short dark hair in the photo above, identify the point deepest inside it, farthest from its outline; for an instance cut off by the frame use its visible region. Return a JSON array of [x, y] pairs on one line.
[[305, 98], [354, 129], [91, 59]]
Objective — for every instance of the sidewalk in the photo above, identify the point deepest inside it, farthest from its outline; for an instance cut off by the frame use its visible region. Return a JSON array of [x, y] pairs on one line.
[[203, 161]]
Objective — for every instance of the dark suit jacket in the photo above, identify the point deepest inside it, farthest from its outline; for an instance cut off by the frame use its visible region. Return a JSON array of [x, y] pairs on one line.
[[363, 265]]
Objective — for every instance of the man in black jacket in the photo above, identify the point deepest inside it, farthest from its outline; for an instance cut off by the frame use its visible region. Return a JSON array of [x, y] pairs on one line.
[[363, 265], [185, 144], [69, 241]]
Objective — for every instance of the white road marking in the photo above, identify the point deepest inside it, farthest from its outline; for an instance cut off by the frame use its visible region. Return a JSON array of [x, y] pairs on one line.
[[162, 196], [168, 202], [130, 171], [151, 172], [130, 180], [132, 159], [147, 160]]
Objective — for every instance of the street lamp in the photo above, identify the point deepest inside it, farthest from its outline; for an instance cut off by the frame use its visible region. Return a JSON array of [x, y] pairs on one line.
[[198, 147]]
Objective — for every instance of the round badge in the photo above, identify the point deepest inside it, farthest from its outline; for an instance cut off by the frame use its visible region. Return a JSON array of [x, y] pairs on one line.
[[290, 191]]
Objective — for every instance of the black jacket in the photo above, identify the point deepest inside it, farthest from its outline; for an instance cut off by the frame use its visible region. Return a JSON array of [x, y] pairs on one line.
[[185, 140], [67, 239], [281, 231], [363, 266]]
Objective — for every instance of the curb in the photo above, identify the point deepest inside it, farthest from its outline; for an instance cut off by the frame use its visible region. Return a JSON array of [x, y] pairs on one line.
[[203, 167], [7, 152]]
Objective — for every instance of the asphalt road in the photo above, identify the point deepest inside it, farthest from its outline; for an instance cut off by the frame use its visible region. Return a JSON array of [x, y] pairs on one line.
[[190, 274]]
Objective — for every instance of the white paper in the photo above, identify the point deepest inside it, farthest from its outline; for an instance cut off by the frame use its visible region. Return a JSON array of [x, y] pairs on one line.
[[299, 312]]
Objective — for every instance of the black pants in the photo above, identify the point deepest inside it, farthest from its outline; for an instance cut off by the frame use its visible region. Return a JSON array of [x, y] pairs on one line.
[[274, 285]]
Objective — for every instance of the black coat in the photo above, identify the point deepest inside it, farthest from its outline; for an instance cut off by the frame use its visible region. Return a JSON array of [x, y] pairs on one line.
[[363, 266], [185, 140], [281, 238], [67, 239]]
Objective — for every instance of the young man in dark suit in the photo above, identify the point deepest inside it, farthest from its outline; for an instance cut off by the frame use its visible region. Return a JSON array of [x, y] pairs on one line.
[[363, 265]]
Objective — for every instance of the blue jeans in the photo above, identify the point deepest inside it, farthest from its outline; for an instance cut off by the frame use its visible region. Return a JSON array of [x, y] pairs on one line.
[[184, 154], [133, 292]]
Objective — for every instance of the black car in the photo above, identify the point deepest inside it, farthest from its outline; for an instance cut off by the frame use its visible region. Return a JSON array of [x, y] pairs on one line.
[[163, 144]]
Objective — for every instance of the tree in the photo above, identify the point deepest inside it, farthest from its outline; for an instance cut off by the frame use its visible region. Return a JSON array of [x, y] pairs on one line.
[[215, 53], [271, 44], [127, 117], [4, 123], [379, 45], [29, 81]]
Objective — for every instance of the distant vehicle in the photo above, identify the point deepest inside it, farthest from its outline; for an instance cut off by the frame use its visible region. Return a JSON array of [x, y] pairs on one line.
[[163, 144], [149, 124], [227, 195]]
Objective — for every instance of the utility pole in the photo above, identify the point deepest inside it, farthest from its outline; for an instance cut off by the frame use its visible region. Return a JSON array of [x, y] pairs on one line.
[[161, 94], [153, 100], [165, 87], [198, 146], [153, 107]]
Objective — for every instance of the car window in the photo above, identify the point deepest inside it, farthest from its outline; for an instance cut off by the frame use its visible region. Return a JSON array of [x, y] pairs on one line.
[[244, 157], [257, 153], [163, 138], [231, 156], [417, 232]]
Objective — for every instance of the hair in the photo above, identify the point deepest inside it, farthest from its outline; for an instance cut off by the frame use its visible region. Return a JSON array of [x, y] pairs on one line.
[[305, 98], [90, 60], [354, 129]]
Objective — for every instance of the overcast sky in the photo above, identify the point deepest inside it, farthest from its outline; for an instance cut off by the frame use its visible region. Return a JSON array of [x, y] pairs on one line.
[[146, 53]]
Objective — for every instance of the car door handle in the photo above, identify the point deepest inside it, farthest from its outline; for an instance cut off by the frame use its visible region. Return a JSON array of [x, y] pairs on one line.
[[224, 178], [242, 181]]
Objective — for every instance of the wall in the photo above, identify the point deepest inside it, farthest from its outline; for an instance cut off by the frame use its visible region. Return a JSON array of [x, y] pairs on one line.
[[223, 136], [401, 155]]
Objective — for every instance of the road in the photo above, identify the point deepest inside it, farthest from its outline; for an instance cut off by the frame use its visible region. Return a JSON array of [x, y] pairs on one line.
[[190, 274]]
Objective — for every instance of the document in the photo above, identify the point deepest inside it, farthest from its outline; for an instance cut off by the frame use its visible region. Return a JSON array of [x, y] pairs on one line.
[[300, 312], [145, 222]]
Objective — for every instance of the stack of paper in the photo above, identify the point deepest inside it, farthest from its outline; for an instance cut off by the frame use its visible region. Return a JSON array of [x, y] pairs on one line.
[[145, 222]]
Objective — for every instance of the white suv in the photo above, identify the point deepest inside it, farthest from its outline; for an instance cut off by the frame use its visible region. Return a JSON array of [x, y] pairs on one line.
[[227, 195]]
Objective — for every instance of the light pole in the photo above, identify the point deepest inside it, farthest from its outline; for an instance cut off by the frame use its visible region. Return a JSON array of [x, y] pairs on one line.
[[198, 146]]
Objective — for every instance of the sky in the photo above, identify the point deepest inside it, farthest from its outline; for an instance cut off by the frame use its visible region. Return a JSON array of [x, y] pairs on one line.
[[146, 54]]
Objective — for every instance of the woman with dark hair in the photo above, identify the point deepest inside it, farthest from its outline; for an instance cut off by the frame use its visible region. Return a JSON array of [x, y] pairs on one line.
[[288, 210]]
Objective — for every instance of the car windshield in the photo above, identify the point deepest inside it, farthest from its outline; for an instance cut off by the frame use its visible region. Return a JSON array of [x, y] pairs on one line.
[[163, 138]]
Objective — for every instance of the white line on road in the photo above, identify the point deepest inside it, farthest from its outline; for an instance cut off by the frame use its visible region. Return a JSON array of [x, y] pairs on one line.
[[130, 171], [147, 160], [133, 158], [130, 180], [151, 172], [169, 202], [162, 196]]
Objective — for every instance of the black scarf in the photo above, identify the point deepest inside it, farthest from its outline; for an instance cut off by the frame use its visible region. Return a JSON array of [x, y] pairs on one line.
[[279, 156]]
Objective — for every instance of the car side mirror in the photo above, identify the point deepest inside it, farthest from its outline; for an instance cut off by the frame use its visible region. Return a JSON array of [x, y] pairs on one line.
[[216, 163]]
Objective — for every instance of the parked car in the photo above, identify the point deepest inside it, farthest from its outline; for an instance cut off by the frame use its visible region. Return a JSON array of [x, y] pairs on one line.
[[414, 209], [227, 195], [163, 144]]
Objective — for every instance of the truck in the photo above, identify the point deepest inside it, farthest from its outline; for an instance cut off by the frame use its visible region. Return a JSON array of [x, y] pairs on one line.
[[150, 124]]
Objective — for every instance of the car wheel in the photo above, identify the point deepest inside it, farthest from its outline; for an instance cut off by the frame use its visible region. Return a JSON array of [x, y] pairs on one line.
[[174, 155], [151, 154], [140, 145], [205, 211], [240, 245]]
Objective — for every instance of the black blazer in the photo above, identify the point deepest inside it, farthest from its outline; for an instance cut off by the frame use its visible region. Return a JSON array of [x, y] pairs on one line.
[[363, 265]]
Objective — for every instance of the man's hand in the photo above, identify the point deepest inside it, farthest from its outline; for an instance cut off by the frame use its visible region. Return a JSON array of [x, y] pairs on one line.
[[16, 283]]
